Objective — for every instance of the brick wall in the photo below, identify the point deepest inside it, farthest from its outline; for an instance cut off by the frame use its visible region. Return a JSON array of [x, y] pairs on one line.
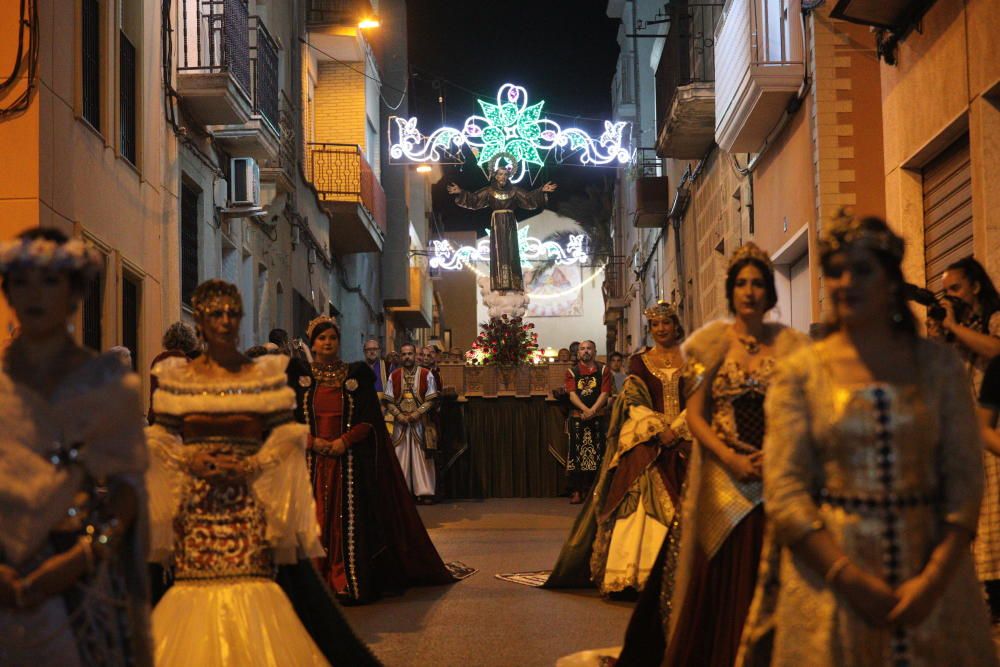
[[339, 104]]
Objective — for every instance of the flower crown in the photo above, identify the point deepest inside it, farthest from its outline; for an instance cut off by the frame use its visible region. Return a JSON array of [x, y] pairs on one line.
[[74, 255], [662, 310], [322, 319], [846, 230], [750, 250]]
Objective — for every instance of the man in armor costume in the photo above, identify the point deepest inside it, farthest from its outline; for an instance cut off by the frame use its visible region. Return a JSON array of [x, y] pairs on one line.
[[588, 384], [409, 398]]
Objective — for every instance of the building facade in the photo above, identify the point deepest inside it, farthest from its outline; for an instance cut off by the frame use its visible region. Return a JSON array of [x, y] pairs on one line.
[[188, 140]]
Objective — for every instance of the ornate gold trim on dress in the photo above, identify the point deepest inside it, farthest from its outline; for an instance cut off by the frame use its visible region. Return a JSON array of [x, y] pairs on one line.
[[221, 391], [846, 230], [750, 250], [330, 375]]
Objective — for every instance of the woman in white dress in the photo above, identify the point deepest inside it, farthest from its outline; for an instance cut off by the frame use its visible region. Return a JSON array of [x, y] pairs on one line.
[[73, 588], [230, 500]]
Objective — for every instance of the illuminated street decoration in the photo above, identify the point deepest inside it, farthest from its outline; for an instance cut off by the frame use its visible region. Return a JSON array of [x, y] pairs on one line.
[[511, 127], [445, 256]]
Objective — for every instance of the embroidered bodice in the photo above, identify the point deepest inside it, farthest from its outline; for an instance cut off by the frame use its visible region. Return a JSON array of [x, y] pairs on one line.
[[738, 402], [666, 389], [230, 527]]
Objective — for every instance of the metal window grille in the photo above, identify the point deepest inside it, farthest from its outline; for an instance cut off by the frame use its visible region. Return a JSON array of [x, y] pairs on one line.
[[215, 38], [130, 317], [265, 75], [127, 98], [189, 241], [93, 307], [90, 58]]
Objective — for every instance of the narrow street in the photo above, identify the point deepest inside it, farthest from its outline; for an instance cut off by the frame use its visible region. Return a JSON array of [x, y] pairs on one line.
[[484, 621]]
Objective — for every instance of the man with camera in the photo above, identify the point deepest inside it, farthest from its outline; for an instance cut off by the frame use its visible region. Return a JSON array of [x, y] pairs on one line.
[[971, 321]]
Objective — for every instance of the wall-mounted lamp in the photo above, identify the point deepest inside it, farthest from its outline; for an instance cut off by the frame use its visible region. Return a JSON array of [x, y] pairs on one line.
[[423, 169], [368, 23]]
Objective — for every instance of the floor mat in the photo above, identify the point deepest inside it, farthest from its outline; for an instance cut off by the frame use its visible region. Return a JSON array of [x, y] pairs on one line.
[[536, 578]]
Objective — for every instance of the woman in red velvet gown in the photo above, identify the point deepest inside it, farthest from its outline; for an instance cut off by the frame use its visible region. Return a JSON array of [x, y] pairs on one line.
[[374, 538]]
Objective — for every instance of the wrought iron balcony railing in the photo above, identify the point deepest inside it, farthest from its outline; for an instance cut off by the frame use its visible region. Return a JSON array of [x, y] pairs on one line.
[[215, 39], [340, 173], [337, 12], [264, 66], [689, 53]]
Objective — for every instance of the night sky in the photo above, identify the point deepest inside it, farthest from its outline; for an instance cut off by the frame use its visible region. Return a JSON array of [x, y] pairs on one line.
[[562, 51]]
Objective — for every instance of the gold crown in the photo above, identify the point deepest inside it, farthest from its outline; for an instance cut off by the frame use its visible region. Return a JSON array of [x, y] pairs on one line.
[[873, 233], [750, 250], [661, 310], [318, 321], [212, 294]]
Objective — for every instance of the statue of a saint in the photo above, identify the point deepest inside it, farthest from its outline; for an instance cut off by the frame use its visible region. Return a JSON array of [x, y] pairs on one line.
[[503, 197]]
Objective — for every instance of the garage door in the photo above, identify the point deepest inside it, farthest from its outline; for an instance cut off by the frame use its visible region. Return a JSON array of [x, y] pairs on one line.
[[947, 184]]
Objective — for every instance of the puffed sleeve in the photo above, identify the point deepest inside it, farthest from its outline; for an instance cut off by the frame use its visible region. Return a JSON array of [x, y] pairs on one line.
[[960, 455], [791, 468], [284, 490]]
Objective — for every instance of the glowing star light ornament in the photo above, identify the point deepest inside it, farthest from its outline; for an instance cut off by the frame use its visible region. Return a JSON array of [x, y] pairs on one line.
[[511, 127]]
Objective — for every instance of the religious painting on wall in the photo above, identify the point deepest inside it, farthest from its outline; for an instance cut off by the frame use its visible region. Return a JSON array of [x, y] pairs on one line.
[[555, 290]]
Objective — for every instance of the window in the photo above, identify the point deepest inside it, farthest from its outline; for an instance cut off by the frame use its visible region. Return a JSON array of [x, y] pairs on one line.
[[131, 313], [129, 76], [190, 198], [93, 309], [127, 98], [91, 61]]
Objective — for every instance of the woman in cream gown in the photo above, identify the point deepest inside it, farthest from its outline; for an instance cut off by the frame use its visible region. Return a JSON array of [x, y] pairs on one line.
[[872, 483], [230, 501]]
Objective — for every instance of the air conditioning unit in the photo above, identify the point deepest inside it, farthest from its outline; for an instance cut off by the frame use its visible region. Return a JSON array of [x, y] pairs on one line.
[[244, 182]]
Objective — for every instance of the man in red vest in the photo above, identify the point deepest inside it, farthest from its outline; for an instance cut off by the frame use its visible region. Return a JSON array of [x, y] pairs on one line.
[[409, 398]]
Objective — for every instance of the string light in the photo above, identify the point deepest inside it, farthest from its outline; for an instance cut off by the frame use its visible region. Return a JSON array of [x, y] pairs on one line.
[[509, 127]]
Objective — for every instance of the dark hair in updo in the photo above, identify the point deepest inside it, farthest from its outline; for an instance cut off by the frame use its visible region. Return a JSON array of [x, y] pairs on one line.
[[79, 280], [766, 271]]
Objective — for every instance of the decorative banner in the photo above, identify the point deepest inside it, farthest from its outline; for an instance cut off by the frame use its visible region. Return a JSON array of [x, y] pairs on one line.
[[555, 291], [509, 128], [445, 256]]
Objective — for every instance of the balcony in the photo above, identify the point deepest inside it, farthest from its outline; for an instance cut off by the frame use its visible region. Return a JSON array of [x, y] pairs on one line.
[[258, 137], [759, 68], [351, 194], [213, 71], [337, 13], [652, 199], [416, 314], [615, 289], [281, 169], [685, 81]]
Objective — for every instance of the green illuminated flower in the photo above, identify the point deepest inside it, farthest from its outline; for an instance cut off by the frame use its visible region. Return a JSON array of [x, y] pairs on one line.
[[512, 131]]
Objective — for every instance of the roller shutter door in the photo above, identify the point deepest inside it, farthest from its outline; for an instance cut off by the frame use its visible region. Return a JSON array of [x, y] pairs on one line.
[[947, 186]]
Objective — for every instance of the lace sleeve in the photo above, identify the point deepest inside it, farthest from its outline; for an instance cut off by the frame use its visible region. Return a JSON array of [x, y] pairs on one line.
[[791, 468]]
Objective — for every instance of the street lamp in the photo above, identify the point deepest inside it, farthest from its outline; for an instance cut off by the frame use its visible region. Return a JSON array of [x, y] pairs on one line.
[[423, 169]]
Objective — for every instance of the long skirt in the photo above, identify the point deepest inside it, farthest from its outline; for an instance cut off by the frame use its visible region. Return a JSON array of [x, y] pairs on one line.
[[710, 622]]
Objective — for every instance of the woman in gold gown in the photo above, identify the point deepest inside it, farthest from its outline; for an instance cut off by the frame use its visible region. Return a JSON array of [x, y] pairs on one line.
[[872, 483]]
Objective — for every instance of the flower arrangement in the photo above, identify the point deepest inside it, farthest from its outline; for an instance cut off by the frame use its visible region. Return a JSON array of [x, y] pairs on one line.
[[504, 341]]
